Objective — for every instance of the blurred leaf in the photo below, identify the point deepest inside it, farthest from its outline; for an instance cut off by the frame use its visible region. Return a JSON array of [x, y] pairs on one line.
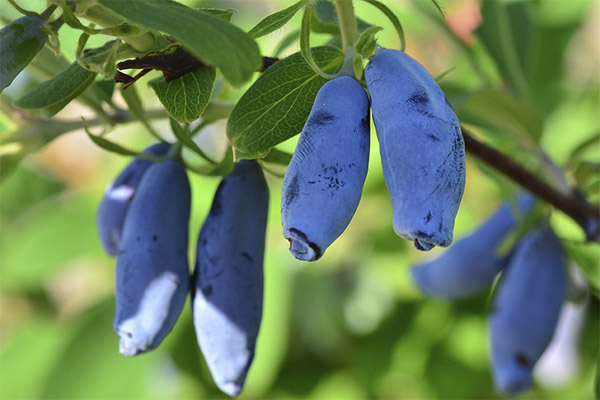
[[277, 105], [20, 41], [507, 33], [51, 236], [365, 45], [592, 143], [210, 38], [275, 21], [30, 352], [502, 112], [185, 98], [18, 198], [586, 255], [10, 159], [90, 365]]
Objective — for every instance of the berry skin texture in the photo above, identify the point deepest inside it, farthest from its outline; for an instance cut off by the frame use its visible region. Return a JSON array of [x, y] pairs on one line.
[[118, 196], [526, 310], [421, 146], [470, 265], [152, 265], [227, 292], [324, 180]]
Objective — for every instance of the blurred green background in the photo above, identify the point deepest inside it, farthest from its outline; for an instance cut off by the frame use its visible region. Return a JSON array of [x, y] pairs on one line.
[[351, 325]]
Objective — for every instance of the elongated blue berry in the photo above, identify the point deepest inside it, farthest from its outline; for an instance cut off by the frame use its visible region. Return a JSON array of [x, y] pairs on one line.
[[526, 309], [324, 180], [118, 197], [421, 146], [227, 294], [152, 264], [471, 264]]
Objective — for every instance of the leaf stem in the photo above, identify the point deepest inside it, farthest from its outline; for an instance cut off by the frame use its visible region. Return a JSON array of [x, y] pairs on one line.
[[575, 206], [347, 22], [305, 43]]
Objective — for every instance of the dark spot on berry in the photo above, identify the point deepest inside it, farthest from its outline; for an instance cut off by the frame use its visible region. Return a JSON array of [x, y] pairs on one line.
[[418, 98], [364, 122], [523, 360], [154, 238], [428, 217], [321, 118], [433, 137], [292, 191], [247, 256], [207, 290], [216, 208]]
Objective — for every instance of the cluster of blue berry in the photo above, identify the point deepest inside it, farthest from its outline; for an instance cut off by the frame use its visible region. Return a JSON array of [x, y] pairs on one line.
[[529, 297], [143, 220], [421, 147]]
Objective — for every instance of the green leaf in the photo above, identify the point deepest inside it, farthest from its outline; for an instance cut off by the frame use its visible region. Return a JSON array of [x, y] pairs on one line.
[[213, 40], [366, 42], [134, 103], [275, 21], [51, 96], [186, 98], [184, 138], [277, 105], [224, 14], [11, 155], [20, 41], [506, 32], [586, 255], [503, 112]]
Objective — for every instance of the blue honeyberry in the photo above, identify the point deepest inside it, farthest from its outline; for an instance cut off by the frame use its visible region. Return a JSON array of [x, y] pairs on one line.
[[526, 309], [227, 292], [421, 146], [118, 197], [471, 264], [152, 262], [324, 180]]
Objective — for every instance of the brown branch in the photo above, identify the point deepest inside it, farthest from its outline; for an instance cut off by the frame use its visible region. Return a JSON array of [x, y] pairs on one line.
[[575, 206]]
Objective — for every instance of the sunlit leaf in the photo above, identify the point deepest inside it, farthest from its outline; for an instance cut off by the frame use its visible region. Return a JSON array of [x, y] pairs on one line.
[[277, 105]]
